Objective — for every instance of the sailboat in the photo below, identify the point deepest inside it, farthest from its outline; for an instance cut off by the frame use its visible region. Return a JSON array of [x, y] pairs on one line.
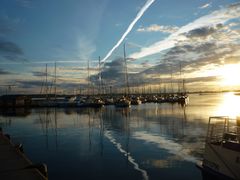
[[124, 101]]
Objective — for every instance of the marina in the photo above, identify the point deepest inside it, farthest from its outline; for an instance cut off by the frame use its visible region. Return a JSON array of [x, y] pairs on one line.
[[119, 90], [147, 141]]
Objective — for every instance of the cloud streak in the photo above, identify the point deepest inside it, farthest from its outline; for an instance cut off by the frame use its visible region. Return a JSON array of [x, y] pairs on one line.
[[158, 28], [169, 145], [205, 6], [215, 18], [139, 15]]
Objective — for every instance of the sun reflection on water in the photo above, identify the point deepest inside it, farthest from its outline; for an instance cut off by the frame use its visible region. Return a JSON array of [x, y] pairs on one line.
[[229, 106]]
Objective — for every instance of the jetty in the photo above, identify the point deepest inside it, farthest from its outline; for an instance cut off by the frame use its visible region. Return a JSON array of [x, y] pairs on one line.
[[15, 165]]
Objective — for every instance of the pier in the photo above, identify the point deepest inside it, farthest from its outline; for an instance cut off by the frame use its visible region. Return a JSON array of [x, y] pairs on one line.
[[15, 165]]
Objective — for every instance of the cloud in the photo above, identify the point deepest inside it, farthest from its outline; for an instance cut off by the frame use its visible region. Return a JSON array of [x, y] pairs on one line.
[[130, 159], [113, 72], [203, 31], [212, 20], [86, 47], [158, 28], [194, 60], [43, 74], [38, 74], [28, 84], [3, 72], [85, 69], [172, 147], [131, 25], [8, 49], [11, 51], [205, 6]]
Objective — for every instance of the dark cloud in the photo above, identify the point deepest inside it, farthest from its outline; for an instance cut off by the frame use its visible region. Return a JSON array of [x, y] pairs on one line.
[[39, 74], [202, 79], [196, 48], [10, 47], [85, 69], [160, 69], [43, 74], [234, 5], [203, 31], [69, 85], [112, 73], [28, 84], [204, 54], [11, 51], [3, 72]]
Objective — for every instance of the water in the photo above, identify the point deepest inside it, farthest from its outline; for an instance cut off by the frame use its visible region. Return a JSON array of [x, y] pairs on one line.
[[149, 141]]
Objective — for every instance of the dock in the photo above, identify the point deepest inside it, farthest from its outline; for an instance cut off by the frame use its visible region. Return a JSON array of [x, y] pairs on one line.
[[15, 165]]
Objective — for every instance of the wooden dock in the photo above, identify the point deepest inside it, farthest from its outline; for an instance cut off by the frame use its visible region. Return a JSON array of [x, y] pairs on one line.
[[15, 165]]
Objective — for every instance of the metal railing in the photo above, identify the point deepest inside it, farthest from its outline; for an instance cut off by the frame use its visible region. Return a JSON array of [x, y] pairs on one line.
[[222, 128]]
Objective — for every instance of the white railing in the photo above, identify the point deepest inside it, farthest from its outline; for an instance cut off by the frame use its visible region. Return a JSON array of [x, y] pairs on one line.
[[222, 128]]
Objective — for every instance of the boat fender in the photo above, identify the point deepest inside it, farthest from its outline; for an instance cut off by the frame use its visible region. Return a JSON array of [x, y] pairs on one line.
[[41, 167]]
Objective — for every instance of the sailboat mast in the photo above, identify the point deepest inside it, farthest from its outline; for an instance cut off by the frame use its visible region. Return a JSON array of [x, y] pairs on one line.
[[171, 80], [99, 76], [180, 73], [46, 83], [126, 70], [88, 91], [55, 80]]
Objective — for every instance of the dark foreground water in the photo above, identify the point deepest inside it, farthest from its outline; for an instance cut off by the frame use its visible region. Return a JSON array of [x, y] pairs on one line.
[[149, 141]]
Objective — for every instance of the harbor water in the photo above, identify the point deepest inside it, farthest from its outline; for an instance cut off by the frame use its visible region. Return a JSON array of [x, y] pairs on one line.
[[148, 141]]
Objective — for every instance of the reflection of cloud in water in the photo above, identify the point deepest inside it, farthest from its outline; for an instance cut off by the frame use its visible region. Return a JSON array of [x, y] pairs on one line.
[[125, 153], [160, 163], [163, 143]]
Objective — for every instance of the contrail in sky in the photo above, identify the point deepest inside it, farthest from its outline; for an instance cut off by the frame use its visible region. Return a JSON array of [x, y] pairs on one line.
[[213, 19], [139, 15]]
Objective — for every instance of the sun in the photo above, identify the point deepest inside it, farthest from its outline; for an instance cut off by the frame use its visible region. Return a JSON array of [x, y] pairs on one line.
[[230, 75]]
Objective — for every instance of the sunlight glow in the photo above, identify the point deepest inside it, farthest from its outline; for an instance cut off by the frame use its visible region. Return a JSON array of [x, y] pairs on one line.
[[230, 75], [229, 106]]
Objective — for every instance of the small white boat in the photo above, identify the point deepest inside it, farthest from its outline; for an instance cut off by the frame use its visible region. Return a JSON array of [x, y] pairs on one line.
[[222, 149]]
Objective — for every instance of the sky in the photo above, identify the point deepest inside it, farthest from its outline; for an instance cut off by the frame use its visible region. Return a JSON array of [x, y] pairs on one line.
[[166, 41]]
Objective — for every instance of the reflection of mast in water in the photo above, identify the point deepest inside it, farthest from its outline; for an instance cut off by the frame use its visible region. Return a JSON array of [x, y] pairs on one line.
[[184, 119], [89, 131], [56, 128], [7, 121], [125, 152], [101, 132], [127, 118], [46, 126]]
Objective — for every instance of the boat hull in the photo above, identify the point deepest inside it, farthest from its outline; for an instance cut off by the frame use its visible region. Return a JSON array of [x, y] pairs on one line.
[[221, 162]]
